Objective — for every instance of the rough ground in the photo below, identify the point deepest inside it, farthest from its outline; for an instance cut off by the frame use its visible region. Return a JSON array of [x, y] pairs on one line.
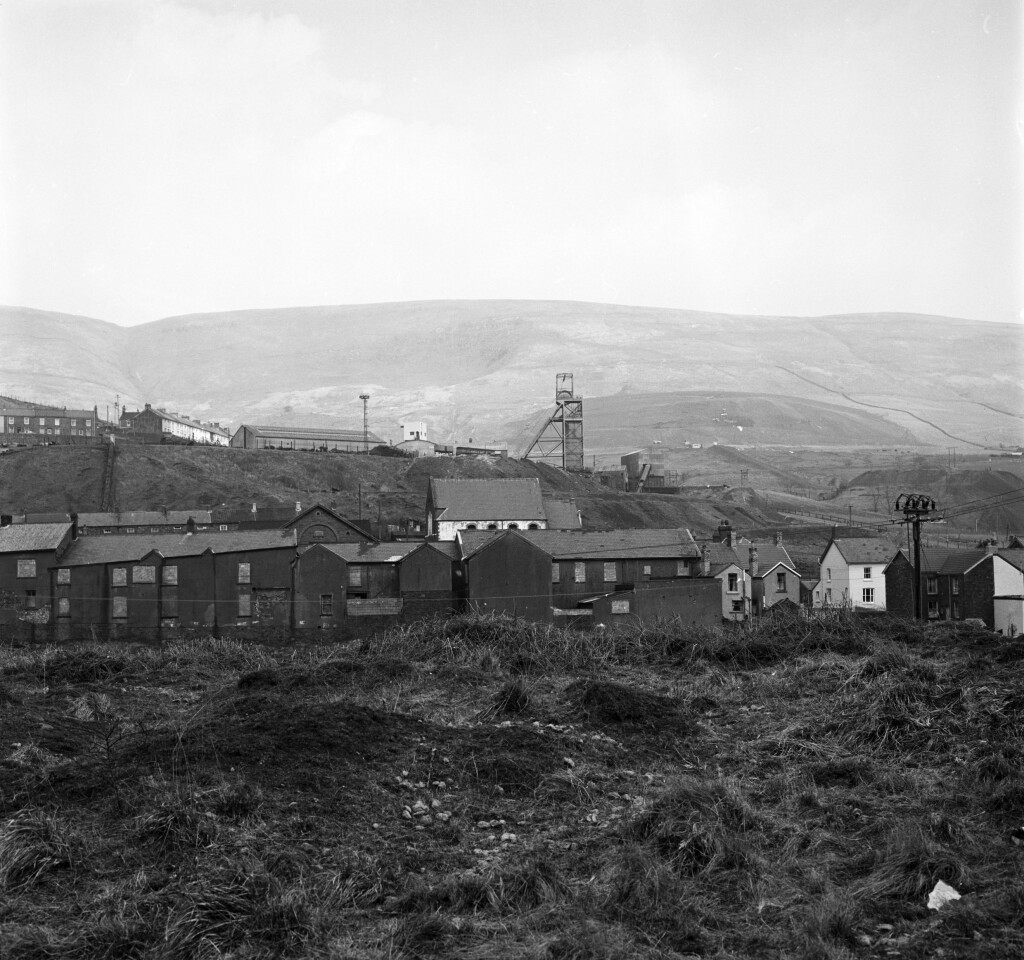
[[486, 788]]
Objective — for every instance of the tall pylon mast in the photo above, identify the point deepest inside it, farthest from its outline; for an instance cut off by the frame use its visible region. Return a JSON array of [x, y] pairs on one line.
[[560, 438]]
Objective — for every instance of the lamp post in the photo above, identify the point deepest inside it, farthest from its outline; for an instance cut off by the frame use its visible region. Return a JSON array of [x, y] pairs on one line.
[[366, 432]]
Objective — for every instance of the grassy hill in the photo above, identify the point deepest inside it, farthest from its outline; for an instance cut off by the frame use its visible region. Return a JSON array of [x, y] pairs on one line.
[[480, 789], [481, 368]]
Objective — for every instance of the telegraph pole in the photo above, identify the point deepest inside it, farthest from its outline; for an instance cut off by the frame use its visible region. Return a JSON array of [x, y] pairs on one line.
[[916, 508]]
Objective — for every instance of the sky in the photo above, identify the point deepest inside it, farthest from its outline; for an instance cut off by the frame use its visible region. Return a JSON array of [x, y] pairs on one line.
[[776, 157]]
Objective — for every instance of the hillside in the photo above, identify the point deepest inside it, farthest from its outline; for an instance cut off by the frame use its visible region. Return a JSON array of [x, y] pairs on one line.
[[482, 368]]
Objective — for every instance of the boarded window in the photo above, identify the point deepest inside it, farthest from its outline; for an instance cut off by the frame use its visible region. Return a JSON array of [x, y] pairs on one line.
[[119, 576], [26, 568], [737, 606], [682, 570], [356, 575], [245, 605], [244, 573], [556, 573], [169, 576], [620, 606], [326, 604], [119, 607], [63, 607], [580, 572], [63, 575], [610, 575], [143, 573], [780, 582], [647, 569]]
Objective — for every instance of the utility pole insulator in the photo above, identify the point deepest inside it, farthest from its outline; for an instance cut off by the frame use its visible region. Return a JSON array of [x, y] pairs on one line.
[[916, 509]]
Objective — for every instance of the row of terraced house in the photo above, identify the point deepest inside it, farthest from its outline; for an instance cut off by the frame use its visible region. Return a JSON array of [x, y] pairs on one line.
[[495, 547]]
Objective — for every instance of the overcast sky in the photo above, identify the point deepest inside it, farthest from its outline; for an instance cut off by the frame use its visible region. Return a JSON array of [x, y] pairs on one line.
[[800, 157]]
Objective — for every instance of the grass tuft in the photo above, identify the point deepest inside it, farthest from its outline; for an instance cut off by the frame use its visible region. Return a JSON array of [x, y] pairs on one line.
[[32, 844]]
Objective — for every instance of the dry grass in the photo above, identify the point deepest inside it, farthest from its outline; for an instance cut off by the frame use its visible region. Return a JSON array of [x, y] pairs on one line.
[[480, 788]]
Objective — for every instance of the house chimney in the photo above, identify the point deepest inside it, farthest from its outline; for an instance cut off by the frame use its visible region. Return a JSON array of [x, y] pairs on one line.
[[778, 538], [705, 561], [753, 562], [298, 506]]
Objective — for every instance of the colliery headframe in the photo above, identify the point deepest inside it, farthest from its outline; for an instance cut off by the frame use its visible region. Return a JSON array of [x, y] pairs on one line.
[[559, 441]]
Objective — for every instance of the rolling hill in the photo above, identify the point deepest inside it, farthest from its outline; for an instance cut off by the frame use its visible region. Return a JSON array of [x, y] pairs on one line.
[[485, 369]]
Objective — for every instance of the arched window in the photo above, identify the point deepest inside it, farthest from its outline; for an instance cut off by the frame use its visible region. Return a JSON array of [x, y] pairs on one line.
[[470, 526], [492, 526], [533, 526], [513, 526]]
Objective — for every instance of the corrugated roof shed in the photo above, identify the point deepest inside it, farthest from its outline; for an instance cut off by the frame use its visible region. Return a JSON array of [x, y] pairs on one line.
[[482, 500], [309, 433], [26, 537], [126, 549], [372, 552]]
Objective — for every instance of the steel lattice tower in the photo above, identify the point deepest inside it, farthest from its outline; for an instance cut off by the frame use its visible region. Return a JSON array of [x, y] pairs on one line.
[[560, 438]]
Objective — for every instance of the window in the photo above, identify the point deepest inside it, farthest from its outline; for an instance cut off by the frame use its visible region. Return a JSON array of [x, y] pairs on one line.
[[169, 576], [734, 583], [119, 607], [30, 599], [56, 421], [63, 575], [129, 529], [737, 606], [682, 570], [610, 575], [88, 423], [513, 526], [956, 609], [932, 583], [867, 573], [223, 527], [828, 574], [245, 604], [828, 595], [26, 569], [74, 423], [244, 573], [954, 585], [143, 574], [470, 526], [355, 575], [26, 420], [492, 526], [780, 581], [580, 572], [63, 607], [326, 604], [318, 533], [533, 526], [933, 609], [119, 576], [868, 595], [647, 569], [556, 573]]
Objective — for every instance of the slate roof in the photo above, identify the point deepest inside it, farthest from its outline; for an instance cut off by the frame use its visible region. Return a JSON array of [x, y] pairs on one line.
[[671, 544], [769, 556], [1014, 556], [144, 518], [863, 550], [27, 537], [722, 556], [483, 500], [126, 548], [186, 421], [372, 552], [309, 433], [562, 514]]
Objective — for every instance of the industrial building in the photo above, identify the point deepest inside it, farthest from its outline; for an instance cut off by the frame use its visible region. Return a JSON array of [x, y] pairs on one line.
[[266, 437]]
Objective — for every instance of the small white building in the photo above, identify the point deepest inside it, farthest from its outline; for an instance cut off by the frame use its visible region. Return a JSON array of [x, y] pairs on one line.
[[852, 572], [1009, 615]]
